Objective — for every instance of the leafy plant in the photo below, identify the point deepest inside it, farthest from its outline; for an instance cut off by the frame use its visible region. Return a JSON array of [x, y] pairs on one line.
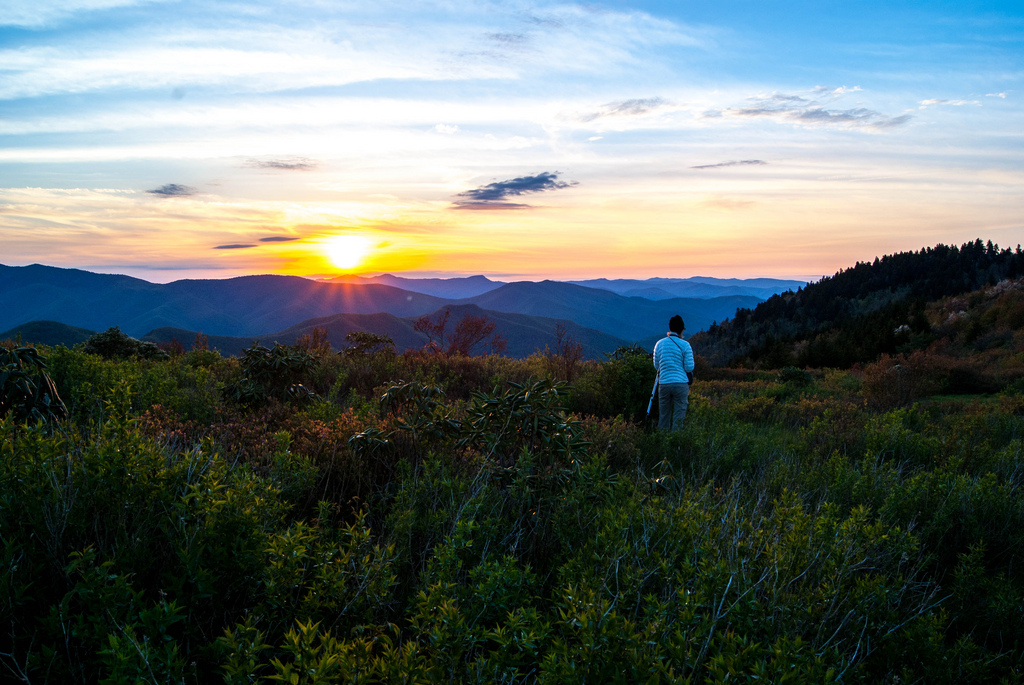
[[27, 393], [272, 373], [526, 417]]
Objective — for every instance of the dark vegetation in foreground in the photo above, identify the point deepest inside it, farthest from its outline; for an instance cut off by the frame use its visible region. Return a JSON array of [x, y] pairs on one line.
[[309, 516]]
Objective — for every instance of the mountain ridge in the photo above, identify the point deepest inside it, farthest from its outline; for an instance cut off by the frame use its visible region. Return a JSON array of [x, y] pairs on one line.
[[247, 306], [525, 335]]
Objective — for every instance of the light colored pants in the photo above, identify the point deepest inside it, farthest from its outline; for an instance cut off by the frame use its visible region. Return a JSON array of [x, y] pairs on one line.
[[673, 399]]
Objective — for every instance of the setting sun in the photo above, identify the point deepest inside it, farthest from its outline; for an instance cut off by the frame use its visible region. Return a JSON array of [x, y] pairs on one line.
[[347, 251]]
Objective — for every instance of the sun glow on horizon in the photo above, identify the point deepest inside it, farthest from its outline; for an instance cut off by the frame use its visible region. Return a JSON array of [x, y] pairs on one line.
[[347, 251]]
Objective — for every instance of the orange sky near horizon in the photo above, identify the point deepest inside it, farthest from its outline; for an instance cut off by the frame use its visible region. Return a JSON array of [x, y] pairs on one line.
[[770, 232]]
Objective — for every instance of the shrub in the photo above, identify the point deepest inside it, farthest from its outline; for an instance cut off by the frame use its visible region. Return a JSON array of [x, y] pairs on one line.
[[113, 344], [563, 363], [88, 383], [622, 385], [800, 378], [272, 373], [897, 381]]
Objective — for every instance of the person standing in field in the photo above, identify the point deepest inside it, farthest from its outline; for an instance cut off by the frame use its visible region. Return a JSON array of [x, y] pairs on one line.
[[673, 358]]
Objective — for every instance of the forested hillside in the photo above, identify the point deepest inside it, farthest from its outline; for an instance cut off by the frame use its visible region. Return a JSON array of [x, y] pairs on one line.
[[859, 313]]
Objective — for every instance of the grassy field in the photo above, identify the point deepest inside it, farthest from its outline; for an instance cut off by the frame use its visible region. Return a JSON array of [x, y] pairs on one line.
[[303, 516]]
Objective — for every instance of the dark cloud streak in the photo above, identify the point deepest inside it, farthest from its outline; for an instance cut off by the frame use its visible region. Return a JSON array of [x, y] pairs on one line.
[[493, 195], [508, 38], [491, 205], [287, 164], [744, 162], [235, 246], [277, 239], [173, 190]]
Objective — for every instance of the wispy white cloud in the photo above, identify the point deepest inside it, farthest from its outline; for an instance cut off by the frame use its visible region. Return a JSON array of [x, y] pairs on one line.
[[261, 52], [627, 108], [952, 103], [829, 90], [804, 111], [34, 72], [35, 14]]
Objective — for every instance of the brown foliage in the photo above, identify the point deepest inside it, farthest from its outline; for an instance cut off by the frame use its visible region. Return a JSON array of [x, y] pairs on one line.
[[470, 333], [473, 331], [316, 342], [250, 438], [174, 348], [831, 424], [563, 362], [201, 343], [897, 381], [755, 409], [434, 330]]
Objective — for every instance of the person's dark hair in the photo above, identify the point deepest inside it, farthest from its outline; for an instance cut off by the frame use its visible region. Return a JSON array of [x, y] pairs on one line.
[[676, 325]]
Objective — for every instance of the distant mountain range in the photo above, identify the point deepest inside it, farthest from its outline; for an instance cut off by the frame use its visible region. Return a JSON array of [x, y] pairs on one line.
[[524, 335], [244, 306], [697, 286], [277, 307], [449, 288], [703, 287]]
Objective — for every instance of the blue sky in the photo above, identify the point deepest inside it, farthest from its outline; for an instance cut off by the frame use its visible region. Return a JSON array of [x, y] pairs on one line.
[[516, 139]]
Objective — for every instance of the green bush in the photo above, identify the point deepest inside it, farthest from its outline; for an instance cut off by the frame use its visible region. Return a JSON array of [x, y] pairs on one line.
[[88, 383], [798, 377], [621, 385], [274, 373]]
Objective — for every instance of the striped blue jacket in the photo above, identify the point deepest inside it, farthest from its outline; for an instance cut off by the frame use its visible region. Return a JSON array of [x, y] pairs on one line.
[[673, 357]]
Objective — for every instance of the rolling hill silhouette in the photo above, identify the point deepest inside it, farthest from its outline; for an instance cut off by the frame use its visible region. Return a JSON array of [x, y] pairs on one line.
[[524, 334], [450, 288], [47, 333], [251, 306], [244, 306], [631, 318]]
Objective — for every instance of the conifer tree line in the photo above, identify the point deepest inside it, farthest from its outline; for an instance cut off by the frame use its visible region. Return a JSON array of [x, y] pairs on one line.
[[852, 316]]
